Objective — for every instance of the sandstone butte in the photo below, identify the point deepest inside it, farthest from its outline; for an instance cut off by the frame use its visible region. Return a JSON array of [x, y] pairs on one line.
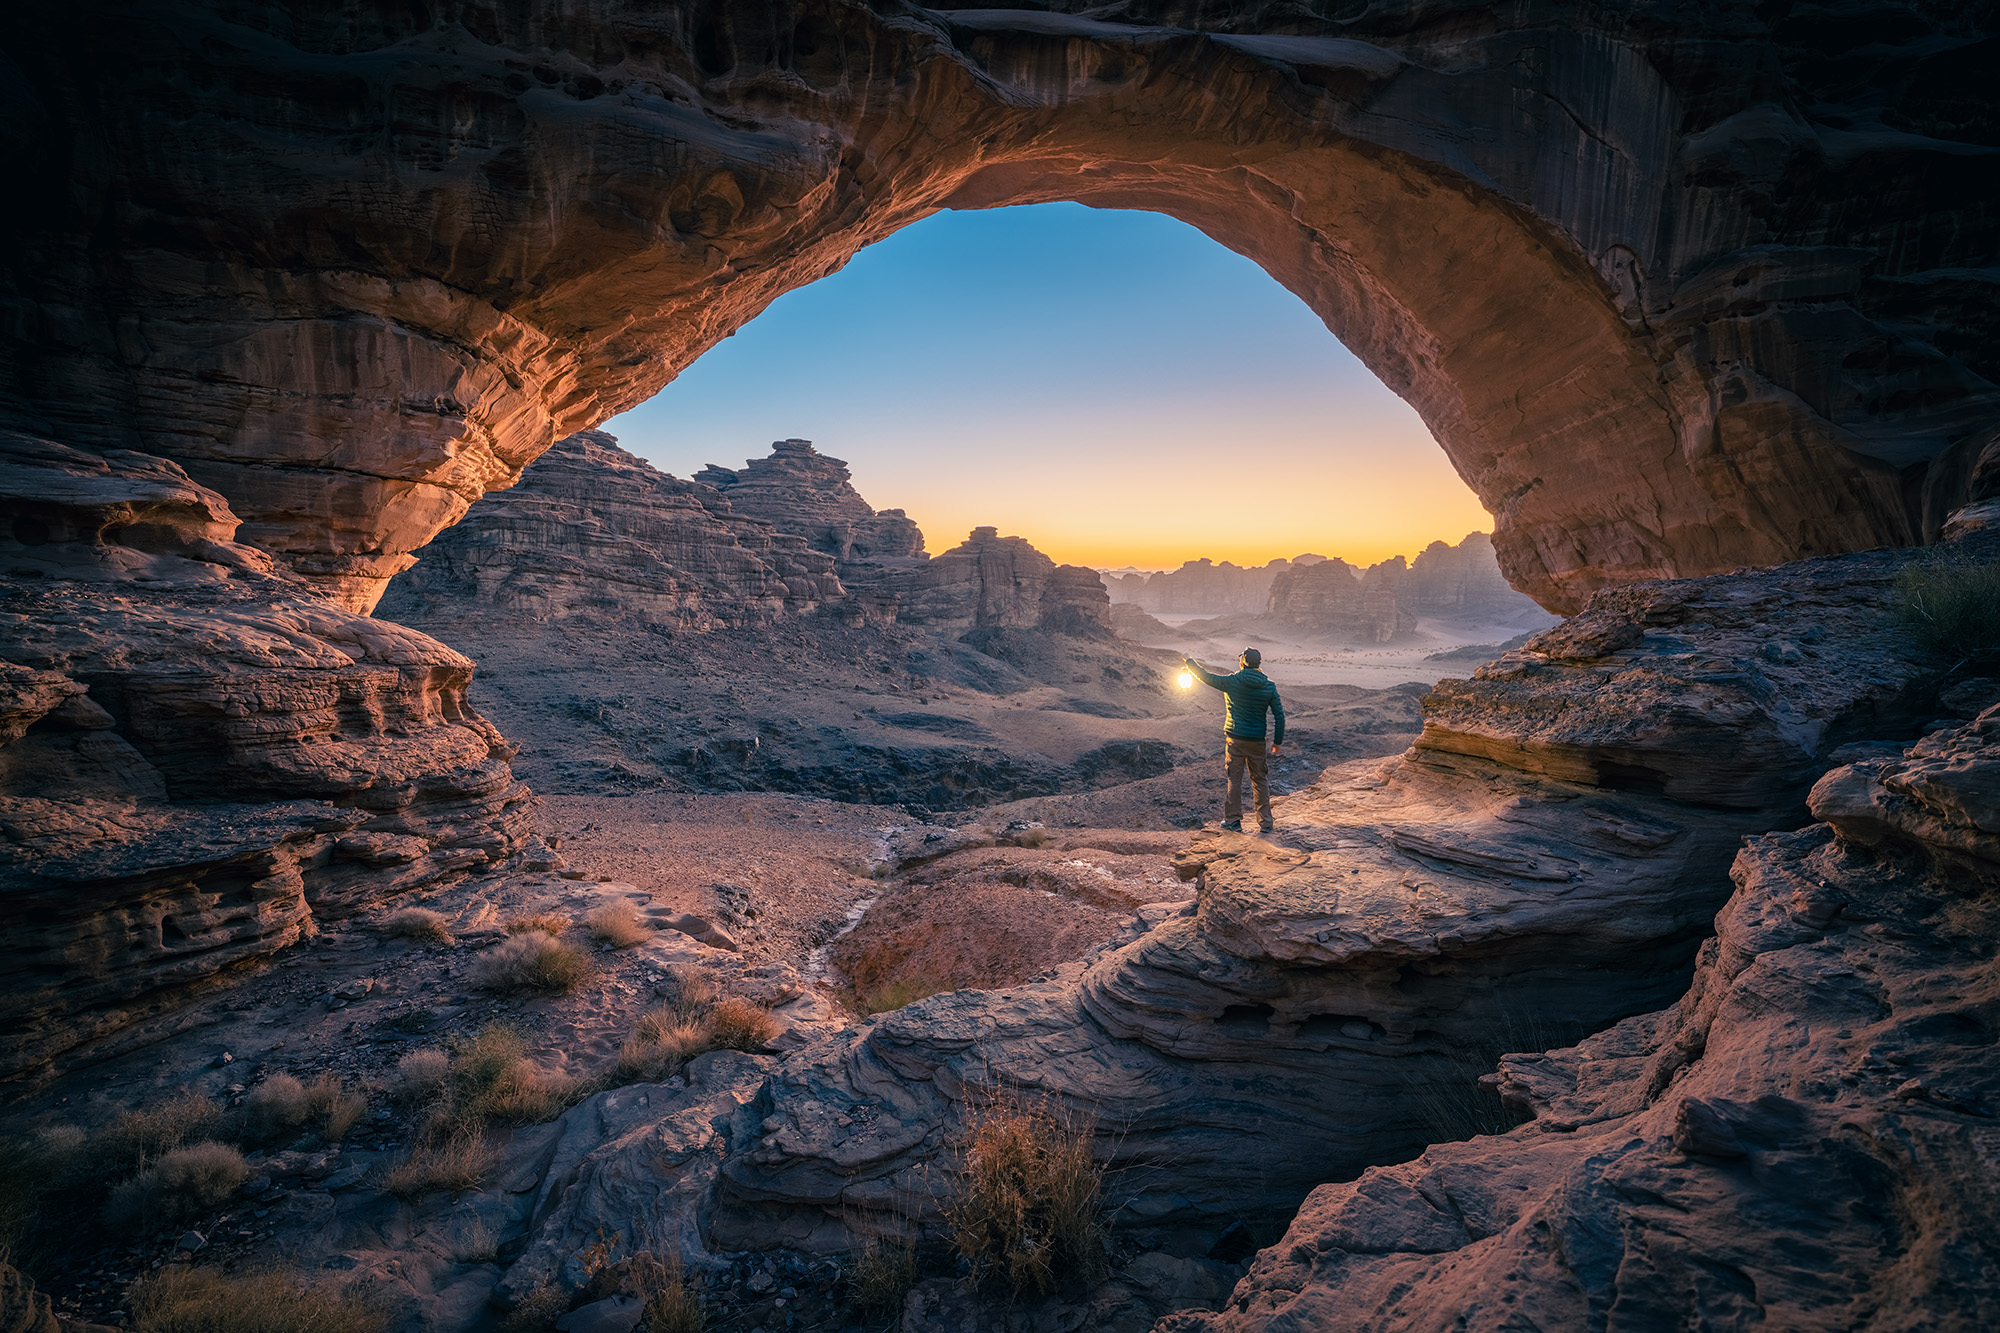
[[1698, 300]]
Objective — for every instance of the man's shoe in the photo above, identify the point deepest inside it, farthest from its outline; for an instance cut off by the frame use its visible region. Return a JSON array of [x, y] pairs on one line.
[[1265, 826], [1233, 825]]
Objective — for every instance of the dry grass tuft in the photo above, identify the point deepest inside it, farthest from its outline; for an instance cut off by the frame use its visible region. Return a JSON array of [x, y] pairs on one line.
[[457, 1162], [1026, 1215], [137, 1137], [184, 1184], [617, 924], [688, 988], [548, 923], [420, 1076], [537, 1312], [1948, 606], [736, 1024], [664, 1041], [281, 1104], [882, 1277], [532, 961], [418, 923], [182, 1299]]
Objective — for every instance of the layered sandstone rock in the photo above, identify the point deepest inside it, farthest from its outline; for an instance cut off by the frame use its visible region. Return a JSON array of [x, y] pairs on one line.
[[1653, 286], [199, 758], [990, 581], [1333, 597], [802, 491], [592, 529], [1328, 989], [1801, 1142]]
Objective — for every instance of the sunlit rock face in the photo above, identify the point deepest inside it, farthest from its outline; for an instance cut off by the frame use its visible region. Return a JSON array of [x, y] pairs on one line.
[[1000, 582], [198, 757], [591, 529], [1203, 587], [1677, 296], [802, 491]]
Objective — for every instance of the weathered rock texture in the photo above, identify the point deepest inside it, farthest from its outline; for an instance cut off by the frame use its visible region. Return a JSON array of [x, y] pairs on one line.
[[592, 529], [802, 491], [1679, 289], [992, 581], [197, 758], [1307, 1013], [1333, 597], [1461, 582], [1804, 1142], [595, 531]]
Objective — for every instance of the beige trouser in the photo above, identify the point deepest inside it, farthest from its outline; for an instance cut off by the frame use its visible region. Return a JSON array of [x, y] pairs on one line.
[[1250, 755]]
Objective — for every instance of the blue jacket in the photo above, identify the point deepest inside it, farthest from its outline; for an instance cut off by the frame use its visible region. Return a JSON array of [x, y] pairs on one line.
[[1246, 695]]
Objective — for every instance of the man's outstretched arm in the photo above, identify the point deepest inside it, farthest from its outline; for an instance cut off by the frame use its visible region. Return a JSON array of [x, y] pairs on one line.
[[1202, 673], [1278, 718]]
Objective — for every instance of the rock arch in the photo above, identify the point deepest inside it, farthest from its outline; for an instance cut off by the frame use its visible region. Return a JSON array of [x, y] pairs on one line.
[[1669, 307]]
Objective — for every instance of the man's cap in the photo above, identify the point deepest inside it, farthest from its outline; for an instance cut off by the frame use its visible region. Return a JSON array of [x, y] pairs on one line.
[[1251, 657]]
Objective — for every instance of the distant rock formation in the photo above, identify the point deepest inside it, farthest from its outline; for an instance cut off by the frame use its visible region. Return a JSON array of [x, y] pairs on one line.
[[592, 530], [1334, 597], [990, 580], [802, 491], [1203, 588], [1461, 582]]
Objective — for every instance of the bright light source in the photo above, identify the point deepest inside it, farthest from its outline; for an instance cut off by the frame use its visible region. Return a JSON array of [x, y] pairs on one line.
[[1187, 680]]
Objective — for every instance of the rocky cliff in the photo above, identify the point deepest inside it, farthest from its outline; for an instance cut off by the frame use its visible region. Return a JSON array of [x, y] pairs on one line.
[[1203, 587], [198, 757], [593, 529], [802, 491], [992, 581], [1333, 597]]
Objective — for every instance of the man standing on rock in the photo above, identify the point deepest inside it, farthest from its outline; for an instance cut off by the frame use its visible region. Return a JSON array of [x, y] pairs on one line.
[[1246, 695]]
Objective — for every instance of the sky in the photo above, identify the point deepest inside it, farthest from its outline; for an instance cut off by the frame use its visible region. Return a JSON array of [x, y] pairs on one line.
[[1114, 386]]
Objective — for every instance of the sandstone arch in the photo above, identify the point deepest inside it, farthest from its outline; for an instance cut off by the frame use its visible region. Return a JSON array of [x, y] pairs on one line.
[[1667, 307]]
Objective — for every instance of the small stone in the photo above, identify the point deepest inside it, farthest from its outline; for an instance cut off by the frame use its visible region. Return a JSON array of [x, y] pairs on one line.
[[223, 1059], [1910, 1089], [191, 1241], [761, 1283]]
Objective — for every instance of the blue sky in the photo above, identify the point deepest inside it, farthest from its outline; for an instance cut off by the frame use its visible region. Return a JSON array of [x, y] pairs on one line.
[[1114, 386]]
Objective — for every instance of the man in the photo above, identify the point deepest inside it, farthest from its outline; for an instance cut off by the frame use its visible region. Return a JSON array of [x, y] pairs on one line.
[[1246, 695]]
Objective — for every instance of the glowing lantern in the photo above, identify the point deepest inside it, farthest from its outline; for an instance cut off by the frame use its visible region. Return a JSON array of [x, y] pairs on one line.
[[1187, 680]]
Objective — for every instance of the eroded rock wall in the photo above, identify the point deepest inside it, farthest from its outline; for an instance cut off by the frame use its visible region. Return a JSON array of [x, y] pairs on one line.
[[1678, 292], [199, 758]]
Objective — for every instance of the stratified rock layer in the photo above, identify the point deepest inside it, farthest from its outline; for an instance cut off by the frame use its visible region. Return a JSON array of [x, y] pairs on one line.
[[1679, 289], [1311, 1011], [592, 529], [1804, 1142], [1336, 598], [197, 758]]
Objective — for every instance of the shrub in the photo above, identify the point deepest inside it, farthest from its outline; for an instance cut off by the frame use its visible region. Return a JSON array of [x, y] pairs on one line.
[[665, 1040], [1949, 606], [281, 1103], [421, 1075], [671, 1306], [41, 1178], [418, 923], [532, 961], [184, 1184], [737, 1024], [688, 988], [137, 1137], [180, 1299], [274, 1106], [1025, 1216], [537, 1312], [337, 1106], [883, 1274], [458, 1161], [548, 923], [617, 924]]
